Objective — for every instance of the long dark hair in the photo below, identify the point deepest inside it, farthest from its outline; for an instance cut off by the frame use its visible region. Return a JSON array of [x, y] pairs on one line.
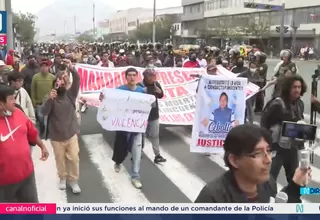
[[288, 83]]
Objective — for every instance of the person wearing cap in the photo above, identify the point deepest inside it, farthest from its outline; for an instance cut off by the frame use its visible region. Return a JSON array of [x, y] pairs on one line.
[[153, 87], [122, 59], [29, 71], [41, 85], [10, 59]]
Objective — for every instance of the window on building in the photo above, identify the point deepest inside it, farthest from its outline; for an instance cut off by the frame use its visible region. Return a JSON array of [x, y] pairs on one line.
[[190, 9], [275, 17]]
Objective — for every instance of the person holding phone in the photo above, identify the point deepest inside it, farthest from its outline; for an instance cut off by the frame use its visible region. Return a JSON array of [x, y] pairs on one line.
[[17, 178], [63, 126]]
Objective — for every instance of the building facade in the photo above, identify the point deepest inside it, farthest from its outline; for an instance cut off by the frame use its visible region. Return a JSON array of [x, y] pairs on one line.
[[125, 22], [192, 19], [103, 28], [301, 17]]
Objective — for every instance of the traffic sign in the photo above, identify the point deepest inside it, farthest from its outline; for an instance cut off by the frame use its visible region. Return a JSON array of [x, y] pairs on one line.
[[286, 29], [263, 6]]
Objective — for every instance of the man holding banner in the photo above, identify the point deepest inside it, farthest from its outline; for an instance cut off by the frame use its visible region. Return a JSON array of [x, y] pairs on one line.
[[153, 87], [126, 112]]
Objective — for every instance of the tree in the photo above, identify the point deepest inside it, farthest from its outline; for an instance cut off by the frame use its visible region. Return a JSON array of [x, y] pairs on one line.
[[257, 28], [25, 26], [164, 30], [85, 37]]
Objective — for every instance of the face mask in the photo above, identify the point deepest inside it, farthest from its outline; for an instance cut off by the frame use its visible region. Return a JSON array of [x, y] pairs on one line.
[[61, 90], [85, 59], [90, 56], [252, 70]]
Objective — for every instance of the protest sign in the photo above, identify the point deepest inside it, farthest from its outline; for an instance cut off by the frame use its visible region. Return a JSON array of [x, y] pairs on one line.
[[221, 103], [177, 107], [124, 110]]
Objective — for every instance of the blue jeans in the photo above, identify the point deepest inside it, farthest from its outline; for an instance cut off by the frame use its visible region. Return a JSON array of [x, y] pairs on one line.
[[136, 156], [41, 118]]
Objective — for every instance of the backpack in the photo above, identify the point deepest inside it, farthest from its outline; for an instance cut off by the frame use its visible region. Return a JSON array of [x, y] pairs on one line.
[[264, 120]]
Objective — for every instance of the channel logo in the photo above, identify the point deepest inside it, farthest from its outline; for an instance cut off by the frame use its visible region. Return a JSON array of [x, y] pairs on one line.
[[309, 191], [3, 22]]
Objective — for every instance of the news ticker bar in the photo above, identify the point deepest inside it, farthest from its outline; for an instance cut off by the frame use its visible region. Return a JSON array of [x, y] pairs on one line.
[[112, 208]]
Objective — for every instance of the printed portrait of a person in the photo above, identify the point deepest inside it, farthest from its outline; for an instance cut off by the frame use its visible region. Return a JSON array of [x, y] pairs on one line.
[[223, 114]]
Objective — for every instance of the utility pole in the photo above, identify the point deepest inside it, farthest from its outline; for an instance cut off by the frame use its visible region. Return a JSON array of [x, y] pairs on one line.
[[10, 37], [94, 20], [154, 21], [75, 25], [283, 14]]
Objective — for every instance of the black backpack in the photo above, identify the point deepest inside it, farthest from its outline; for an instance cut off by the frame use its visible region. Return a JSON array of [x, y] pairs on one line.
[[264, 120]]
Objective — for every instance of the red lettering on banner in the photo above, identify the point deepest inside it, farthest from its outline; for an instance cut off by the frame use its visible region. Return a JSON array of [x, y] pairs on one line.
[[210, 143], [175, 77], [177, 118], [108, 80], [83, 74], [175, 92], [163, 77], [186, 76], [117, 80], [92, 81]]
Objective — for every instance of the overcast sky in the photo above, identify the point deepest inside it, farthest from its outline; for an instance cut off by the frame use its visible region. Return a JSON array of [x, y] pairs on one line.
[[34, 6]]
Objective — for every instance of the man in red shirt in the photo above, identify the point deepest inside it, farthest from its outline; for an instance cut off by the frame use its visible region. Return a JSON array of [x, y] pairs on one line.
[[10, 59], [17, 132], [192, 62]]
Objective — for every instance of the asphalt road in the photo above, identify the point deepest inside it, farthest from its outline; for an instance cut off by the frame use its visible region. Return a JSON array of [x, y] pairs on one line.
[[179, 180]]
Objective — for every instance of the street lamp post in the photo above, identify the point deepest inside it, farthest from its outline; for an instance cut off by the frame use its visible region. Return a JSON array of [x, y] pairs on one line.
[[154, 21], [9, 25]]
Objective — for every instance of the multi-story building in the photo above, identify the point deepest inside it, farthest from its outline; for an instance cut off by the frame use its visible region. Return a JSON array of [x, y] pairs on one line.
[[126, 21], [192, 19], [123, 21], [103, 28], [304, 16]]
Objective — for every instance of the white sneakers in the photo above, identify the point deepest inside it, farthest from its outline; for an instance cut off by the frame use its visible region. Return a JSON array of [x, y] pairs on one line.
[[72, 184]]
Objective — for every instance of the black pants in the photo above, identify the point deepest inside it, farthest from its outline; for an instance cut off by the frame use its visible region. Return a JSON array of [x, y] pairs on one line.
[[23, 192], [288, 158], [259, 102]]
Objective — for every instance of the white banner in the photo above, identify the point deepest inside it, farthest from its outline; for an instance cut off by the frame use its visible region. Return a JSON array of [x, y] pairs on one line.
[[177, 107], [124, 110], [220, 106]]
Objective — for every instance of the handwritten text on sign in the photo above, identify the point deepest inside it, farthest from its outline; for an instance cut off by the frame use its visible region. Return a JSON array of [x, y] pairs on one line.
[[124, 111]]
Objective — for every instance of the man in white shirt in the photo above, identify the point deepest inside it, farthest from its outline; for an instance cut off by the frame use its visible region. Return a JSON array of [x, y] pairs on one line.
[[105, 62]]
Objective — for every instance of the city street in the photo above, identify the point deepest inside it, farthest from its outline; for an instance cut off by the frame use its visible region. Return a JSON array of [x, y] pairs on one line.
[[179, 180]]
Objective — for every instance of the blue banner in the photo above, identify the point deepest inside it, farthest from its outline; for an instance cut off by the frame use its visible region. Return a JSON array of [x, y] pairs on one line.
[[160, 217]]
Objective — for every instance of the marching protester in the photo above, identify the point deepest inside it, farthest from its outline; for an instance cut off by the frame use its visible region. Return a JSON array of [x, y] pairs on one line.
[[287, 107], [248, 156], [63, 127], [129, 141], [21, 96], [55, 67], [17, 178], [29, 71], [105, 62], [41, 85], [154, 88]]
